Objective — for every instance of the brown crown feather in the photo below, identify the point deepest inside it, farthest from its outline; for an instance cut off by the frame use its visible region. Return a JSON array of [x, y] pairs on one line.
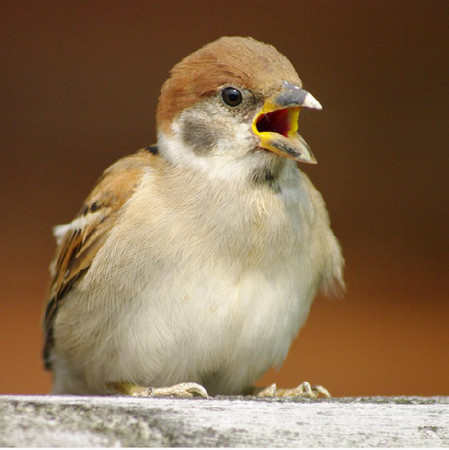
[[239, 61]]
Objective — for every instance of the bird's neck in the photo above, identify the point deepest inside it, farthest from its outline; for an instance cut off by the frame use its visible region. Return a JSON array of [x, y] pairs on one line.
[[257, 169]]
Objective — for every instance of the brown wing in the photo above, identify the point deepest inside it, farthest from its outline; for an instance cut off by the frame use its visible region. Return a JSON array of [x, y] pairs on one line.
[[79, 241]]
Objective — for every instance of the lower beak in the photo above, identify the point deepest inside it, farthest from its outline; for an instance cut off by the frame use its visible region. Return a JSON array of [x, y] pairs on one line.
[[276, 124]]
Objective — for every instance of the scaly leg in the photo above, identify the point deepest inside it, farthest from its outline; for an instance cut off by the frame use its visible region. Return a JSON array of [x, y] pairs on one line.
[[303, 390], [182, 390]]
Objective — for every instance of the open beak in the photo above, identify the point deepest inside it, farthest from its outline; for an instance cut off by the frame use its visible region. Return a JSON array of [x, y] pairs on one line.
[[276, 124]]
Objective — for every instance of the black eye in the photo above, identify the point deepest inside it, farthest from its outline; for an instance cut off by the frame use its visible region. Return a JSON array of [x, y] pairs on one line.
[[231, 96]]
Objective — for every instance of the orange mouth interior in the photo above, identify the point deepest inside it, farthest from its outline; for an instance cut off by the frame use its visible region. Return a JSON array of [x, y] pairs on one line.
[[278, 121]]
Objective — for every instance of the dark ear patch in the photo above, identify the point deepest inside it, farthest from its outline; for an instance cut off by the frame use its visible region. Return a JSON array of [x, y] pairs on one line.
[[199, 135]]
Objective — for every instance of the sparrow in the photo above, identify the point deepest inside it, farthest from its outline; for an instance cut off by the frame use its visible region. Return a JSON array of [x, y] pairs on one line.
[[193, 263]]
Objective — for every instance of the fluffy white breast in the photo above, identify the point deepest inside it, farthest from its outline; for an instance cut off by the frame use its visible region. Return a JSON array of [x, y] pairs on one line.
[[209, 282]]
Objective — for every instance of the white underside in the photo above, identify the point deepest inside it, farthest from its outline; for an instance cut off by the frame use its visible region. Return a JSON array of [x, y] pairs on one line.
[[209, 286]]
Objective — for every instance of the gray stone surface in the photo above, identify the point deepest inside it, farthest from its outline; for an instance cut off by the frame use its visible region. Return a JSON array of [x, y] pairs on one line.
[[69, 421]]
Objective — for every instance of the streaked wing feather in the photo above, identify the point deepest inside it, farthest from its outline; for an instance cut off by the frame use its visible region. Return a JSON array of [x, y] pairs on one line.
[[79, 242]]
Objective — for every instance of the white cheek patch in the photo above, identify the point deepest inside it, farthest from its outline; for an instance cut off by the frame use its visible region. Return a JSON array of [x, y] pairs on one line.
[[229, 154], [177, 152], [224, 162], [239, 141]]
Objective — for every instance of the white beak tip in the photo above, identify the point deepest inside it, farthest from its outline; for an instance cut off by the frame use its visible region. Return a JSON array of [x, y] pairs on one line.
[[311, 102]]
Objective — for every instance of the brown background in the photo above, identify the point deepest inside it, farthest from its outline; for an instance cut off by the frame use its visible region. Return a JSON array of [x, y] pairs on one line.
[[79, 84]]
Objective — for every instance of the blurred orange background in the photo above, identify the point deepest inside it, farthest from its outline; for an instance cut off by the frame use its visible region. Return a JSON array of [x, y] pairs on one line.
[[79, 85]]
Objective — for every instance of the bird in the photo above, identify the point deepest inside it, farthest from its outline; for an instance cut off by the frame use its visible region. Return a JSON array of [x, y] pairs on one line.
[[192, 264]]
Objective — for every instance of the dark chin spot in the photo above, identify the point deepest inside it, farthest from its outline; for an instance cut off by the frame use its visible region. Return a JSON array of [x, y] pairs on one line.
[[267, 175]]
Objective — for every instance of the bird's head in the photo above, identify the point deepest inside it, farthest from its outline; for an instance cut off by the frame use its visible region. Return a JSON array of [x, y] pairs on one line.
[[233, 102]]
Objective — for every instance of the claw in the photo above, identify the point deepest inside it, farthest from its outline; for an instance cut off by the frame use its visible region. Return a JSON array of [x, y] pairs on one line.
[[181, 390], [303, 390], [321, 390], [269, 391], [184, 390]]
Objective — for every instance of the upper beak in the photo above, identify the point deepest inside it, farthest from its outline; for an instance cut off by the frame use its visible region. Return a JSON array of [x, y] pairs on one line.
[[276, 124]]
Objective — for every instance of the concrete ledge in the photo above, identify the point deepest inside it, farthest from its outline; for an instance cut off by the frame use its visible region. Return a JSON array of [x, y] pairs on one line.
[[69, 421]]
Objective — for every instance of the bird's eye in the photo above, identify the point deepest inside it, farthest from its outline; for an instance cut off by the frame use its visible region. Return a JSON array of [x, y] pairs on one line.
[[231, 96]]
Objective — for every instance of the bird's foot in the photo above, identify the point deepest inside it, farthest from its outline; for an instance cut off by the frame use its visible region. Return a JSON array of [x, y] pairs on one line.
[[181, 390], [303, 390]]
